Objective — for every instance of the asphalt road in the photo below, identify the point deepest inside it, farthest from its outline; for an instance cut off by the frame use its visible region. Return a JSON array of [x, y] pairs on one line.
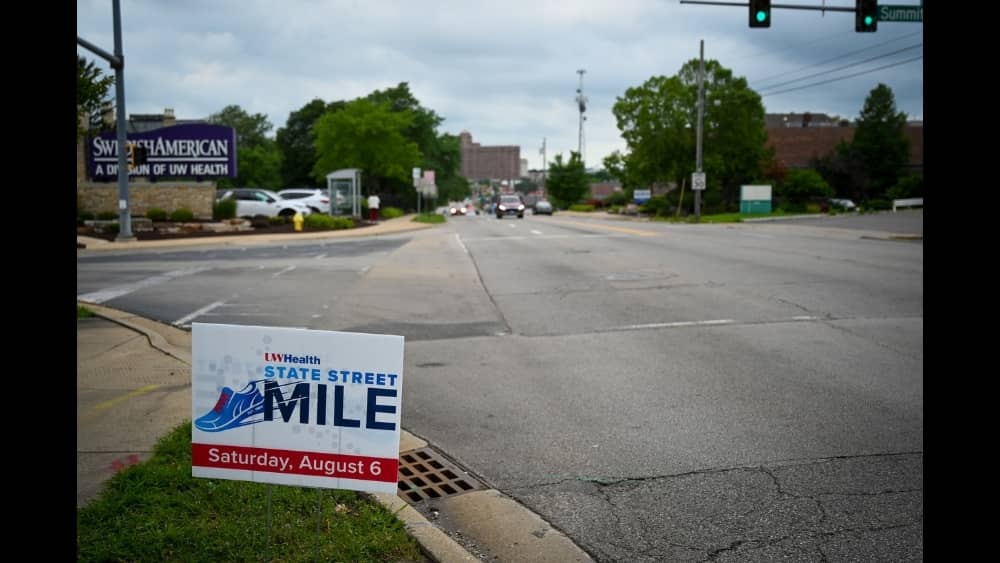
[[658, 392]]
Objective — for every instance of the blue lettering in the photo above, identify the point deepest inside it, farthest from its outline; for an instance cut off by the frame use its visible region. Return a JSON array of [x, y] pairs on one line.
[[373, 395], [369, 378], [299, 398], [392, 379], [292, 374], [356, 377], [268, 371], [338, 409], [315, 374], [380, 379], [331, 376], [281, 371]]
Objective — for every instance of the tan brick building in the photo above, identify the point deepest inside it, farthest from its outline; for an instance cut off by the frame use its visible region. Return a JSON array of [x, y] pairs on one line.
[[501, 162]]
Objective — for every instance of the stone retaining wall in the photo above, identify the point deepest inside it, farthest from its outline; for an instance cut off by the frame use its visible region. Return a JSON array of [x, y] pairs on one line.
[[96, 197]]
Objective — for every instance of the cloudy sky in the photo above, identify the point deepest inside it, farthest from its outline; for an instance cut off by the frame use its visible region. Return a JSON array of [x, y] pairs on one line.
[[506, 71]]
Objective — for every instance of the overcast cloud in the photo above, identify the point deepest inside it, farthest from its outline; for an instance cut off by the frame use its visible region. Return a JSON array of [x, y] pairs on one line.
[[505, 71]]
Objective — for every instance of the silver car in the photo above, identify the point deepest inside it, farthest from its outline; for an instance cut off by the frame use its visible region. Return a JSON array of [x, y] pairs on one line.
[[543, 207], [317, 200]]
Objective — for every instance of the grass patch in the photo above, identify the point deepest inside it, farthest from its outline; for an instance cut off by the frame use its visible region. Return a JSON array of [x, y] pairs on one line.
[[433, 218], [83, 312], [720, 217], [156, 511]]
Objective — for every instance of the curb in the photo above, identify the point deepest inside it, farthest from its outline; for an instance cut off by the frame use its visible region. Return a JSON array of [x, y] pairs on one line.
[[402, 224], [436, 544]]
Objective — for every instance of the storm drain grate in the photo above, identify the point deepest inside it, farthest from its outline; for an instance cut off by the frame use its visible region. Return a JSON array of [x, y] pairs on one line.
[[424, 475]]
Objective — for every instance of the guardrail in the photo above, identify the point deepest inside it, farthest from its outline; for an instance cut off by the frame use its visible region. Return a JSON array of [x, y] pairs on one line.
[[912, 202]]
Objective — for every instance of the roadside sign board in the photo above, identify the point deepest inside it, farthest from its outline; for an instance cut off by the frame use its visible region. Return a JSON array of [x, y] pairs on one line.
[[755, 199], [295, 406], [698, 181], [641, 196], [896, 13]]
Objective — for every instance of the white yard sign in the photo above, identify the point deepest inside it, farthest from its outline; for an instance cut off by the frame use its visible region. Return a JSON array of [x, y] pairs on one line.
[[296, 406]]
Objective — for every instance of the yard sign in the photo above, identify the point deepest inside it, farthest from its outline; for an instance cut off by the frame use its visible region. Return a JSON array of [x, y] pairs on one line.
[[296, 407]]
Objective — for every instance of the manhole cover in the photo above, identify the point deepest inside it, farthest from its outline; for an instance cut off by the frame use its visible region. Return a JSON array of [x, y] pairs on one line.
[[425, 475]]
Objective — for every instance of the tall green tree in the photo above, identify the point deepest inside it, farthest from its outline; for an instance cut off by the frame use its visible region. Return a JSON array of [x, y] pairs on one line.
[[567, 181], [880, 141], [91, 91], [258, 160], [295, 141], [367, 135], [251, 130], [658, 121]]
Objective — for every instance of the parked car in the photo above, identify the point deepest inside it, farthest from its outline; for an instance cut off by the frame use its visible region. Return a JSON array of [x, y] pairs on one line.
[[843, 204], [254, 201], [317, 200], [543, 207], [510, 204]]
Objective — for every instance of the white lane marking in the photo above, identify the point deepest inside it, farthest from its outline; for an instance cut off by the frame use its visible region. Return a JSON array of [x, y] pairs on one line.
[[103, 295], [321, 256], [534, 232], [316, 316], [536, 237], [674, 324], [805, 318], [187, 318], [460, 243], [285, 270], [365, 270], [513, 226]]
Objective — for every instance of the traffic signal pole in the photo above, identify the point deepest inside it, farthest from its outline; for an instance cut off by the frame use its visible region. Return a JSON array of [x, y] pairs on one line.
[[118, 63], [701, 115]]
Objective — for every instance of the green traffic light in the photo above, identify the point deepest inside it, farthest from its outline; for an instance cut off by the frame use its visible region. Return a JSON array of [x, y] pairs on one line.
[[868, 20], [761, 15]]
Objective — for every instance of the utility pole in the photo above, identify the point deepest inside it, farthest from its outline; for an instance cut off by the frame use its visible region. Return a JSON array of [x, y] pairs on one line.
[[701, 115], [581, 101], [117, 61], [544, 160]]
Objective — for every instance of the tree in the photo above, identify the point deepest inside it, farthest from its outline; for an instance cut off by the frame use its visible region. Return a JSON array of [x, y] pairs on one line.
[[658, 122], [91, 91], [567, 182], [295, 141], [251, 130], [454, 188], [880, 142], [801, 185], [370, 136]]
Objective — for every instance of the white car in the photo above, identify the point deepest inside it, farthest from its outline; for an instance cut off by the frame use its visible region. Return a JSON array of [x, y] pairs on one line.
[[254, 201], [317, 200]]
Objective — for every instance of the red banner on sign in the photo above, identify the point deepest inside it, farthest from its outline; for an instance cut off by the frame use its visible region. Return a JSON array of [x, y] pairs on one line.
[[292, 462]]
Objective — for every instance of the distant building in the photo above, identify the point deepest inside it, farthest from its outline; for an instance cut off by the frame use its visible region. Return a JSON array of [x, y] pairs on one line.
[[779, 120], [603, 190], [797, 146], [143, 122], [500, 162]]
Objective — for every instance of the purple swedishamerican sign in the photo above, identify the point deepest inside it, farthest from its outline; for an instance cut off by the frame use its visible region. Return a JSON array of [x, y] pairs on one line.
[[192, 149]]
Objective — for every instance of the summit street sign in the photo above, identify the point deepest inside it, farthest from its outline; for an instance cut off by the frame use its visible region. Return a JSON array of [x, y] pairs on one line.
[[901, 13]]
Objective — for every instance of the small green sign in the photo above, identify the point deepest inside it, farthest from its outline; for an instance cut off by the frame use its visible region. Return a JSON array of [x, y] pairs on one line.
[[901, 13]]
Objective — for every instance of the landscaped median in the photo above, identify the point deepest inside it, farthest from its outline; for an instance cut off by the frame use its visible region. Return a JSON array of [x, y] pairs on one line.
[[156, 511]]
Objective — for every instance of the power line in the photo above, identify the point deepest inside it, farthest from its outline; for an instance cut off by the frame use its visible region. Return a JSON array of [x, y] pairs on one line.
[[798, 46], [868, 60], [766, 78], [841, 77]]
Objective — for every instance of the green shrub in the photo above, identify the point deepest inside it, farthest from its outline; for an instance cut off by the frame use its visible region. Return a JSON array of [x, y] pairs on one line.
[[656, 206], [906, 188], [82, 216], [181, 215], [617, 198], [225, 209], [107, 216], [878, 204], [812, 208], [260, 221], [391, 212], [432, 218], [319, 221], [112, 229], [156, 214], [278, 220], [583, 207]]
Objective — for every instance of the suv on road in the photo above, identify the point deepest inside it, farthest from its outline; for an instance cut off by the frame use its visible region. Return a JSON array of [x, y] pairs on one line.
[[510, 204], [317, 200], [254, 201]]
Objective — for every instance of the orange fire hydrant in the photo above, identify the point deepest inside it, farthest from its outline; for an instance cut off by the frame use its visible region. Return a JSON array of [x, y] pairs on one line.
[[298, 219]]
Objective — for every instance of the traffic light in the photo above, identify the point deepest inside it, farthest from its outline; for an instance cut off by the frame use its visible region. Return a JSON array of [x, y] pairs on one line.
[[865, 15], [141, 156], [760, 13]]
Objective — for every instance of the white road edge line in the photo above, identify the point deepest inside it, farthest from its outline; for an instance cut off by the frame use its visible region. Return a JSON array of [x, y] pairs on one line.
[[283, 271], [674, 324], [103, 295], [181, 321], [534, 232], [460, 243]]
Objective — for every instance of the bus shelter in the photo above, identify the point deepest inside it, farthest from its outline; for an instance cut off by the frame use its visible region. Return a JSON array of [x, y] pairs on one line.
[[344, 188]]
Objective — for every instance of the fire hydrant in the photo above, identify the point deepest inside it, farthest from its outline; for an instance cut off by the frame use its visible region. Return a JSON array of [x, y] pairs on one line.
[[298, 222]]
